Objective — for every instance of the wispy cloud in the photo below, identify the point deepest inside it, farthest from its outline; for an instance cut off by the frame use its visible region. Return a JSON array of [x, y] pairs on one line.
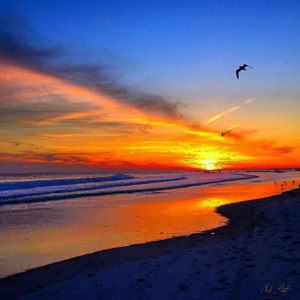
[[232, 127], [22, 46], [228, 111], [249, 101], [237, 125]]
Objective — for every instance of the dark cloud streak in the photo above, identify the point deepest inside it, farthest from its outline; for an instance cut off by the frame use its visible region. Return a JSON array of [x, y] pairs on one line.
[[18, 44]]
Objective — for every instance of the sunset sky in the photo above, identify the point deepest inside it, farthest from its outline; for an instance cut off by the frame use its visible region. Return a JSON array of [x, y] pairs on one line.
[[116, 85]]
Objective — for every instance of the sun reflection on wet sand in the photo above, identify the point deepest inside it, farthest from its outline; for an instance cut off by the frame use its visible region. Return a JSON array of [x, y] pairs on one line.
[[211, 203]]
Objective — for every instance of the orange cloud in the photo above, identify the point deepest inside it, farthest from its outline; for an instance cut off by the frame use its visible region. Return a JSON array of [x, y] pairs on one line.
[[232, 127], [222, 114]]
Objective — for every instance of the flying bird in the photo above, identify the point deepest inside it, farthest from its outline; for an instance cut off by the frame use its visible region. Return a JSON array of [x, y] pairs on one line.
[[223, 133], [240, 69]]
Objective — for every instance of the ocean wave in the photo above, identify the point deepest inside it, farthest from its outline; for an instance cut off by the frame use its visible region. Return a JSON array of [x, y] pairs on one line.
[[83, 187], [75, 188], [17, 185]]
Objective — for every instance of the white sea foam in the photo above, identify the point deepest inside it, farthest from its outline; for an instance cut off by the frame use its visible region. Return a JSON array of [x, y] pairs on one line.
[[15, 185], [57, 189]]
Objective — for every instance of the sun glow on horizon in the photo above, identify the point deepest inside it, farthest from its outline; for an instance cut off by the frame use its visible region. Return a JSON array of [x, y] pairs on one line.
[[78, 126]]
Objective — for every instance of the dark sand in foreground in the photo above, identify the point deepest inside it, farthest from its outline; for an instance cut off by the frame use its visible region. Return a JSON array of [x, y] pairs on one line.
[[259, 246]]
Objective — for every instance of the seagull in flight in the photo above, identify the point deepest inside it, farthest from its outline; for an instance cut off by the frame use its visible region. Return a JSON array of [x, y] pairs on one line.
[[223, 133], [240, 69]]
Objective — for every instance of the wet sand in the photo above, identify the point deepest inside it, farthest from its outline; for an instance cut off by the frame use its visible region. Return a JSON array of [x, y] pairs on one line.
[[258, 246]]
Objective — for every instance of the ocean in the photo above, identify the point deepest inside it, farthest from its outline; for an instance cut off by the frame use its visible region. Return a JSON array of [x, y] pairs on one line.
[[49, 217]]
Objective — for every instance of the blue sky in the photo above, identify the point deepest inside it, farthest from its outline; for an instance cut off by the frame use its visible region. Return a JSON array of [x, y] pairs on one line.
[[180, 48]]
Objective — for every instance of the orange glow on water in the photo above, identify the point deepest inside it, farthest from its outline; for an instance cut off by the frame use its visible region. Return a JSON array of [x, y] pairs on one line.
[[88, 225]]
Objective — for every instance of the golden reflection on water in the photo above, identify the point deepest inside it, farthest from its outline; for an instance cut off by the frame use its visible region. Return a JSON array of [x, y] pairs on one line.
[[211, 203]]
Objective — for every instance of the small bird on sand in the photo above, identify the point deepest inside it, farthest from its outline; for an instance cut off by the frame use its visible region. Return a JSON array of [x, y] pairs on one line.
[[240, 69]]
